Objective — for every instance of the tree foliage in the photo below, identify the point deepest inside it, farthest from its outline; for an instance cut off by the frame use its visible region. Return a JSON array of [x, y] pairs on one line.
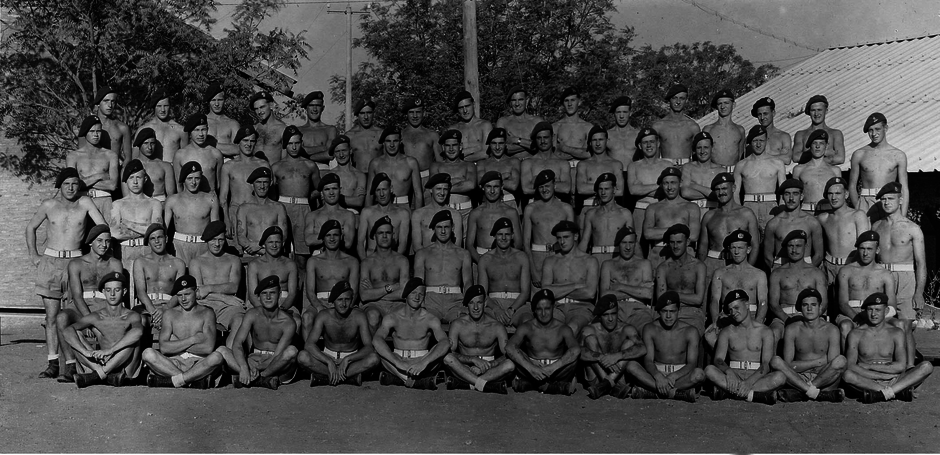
[[545, 46], [60, 52]]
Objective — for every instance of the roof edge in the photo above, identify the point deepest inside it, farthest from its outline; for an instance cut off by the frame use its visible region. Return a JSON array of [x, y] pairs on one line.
[[896, 40]]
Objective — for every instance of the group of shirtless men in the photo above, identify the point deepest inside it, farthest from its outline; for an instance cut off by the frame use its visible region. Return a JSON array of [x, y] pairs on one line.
[[313, 249]]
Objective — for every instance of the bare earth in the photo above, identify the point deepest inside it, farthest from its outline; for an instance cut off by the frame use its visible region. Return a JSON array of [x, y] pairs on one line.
[[45, 416]]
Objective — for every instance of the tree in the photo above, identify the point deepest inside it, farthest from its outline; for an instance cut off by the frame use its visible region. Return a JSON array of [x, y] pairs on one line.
[[544, 46], [704, 68], [60, 52]]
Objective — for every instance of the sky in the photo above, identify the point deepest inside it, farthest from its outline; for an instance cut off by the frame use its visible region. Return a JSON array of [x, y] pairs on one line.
[[800, 27]]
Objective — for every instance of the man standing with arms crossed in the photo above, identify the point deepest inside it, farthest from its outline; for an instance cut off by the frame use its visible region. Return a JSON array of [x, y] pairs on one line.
[[728, 147], [676, 129], [518, 123], [317, 136], [222, 127], [418, 141], [874, 166], [270, 128]]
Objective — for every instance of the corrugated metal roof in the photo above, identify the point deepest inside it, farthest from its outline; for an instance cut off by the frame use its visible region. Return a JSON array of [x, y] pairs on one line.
[[897, 78]]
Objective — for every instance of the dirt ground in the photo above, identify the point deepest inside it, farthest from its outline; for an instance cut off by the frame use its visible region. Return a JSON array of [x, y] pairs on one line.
[[45, 416]]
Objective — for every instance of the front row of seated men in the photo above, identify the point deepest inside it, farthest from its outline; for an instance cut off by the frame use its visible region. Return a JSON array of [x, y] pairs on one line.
[[661, 361]]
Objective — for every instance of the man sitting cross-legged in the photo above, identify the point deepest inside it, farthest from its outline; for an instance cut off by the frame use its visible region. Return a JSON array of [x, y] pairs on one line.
[[187, 342], [670, 366], [347, 342], [270, 329], [742, 356], [877, 360], [544, 350], [411, 326], [811, 361], [606, 346], [119, 331], [474, 338]]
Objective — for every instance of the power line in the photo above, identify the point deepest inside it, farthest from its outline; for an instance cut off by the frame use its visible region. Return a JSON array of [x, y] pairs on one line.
[[749, 27]]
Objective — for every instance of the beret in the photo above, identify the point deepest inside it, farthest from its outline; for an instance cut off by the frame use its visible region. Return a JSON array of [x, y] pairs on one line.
[[259, 173], [86, 125], [735, 295], [339, 289], [496, 133], [790, 183], [159, 95], [667, 298], [327, 227], [67, 173], [539, 127], [211, 91], [565, 226], [835, 181], [271, 230], [213, 230], [438, 179], [328, 179], [341, 139], [103, 92], [130, 168], [96, 231], [361, 104], [385, 220], [183, 282], [620, 101], [112, 276], [458, 97], [756, 130], [889, 188], [151, 229], [315, 95], [490, 176], [806, 293], [412, 103], [738, 235], [410, 286], [670, 171], [450, 134], [243, 132], [440, 217], [675, 90], [725, 93], [763, 102], [474, 291], [878, 298], [644, 133], [701, 136], [595, 129], [143, 135], [817, 134], [722, 178], [867, 236], [290, 132], [258, 96], [193, 121], [501, 223], [873, 119], [622, 233], [513, 90], [389, 131], [796, 234], [190, 167], [379, 178], [544, 177], [544, 294], [269, 282], [569, 91], [813, 100], [605, 177], [677, 228], [605, 303]]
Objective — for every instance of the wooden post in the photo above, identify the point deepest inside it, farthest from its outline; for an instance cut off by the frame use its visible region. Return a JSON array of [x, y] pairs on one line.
[[349, 66], [471, 74]]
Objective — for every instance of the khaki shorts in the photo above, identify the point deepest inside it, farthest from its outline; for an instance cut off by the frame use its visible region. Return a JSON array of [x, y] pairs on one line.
[[93, 303], [382, 306], [762, 211], [447, 307], [185, 361], [711, 265], [694, 317], [226, 308], [52, 276], [907, 284], [634, 313], [296, 213], [576, 310], [104, 207], [260, 360], [188, 250], [131, 253]]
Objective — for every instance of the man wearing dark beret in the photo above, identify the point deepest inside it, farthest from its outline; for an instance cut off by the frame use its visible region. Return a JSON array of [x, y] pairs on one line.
[[788, 278], [330, 193], [273, 358], [189, 211], [629, 278], [667, 212], [812, 360], [670, 367], [544, 349], [642, 176], [400, 216], [758, 177], [738, 274], [475, 337], [402, 170], [676, 129], [364, 145], [234, 189], [63, 242], [473, 129], [317, 135], [169, 132], [105, 108], [97, 165], [607, 344], [463, 174], [498, 162], [324, 270], [684, 274], [438, 188], [874, 165], [411, 362], [84, 273], [419, 141], [270, 128], [445, 267], [728, 137], [790, 217], [539, 217], [504, 271], [347, 342], [778, 141], [841, 225], [902, 251], [816, 108], [200, 150], [116, 358], [602, 222], [484, 216], [878, 365], [258, 214], [816, 171], [546, 159], [519, 122], [154, 274], [221, 127], [742, 356], [297, 179], [698, 174], [572, 276], [384, 273], [621, 135], [598, 164], [719, 223], [219, 275], [571, 131], [160, 174], [133, 214], [354, 187], [273, 262]]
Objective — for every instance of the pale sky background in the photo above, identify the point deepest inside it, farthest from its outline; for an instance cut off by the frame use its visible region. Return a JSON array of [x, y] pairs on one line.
[[813, 23]]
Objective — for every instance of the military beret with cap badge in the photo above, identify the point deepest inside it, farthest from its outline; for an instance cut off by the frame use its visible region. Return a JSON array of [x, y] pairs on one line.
[[674, 90], [604, 304], [596, 129], [724, 93], [441, 178], [245, 131], [154, 227], [790, 183], [339, 289], [440, 217], [605, 177], [143, 135], [410, 286], [734, 296], [755, 131], [385, 220], [112, 276], [501, 223], [490, 176], [835, 181], [645, 132], [362, 104], [458, 97], [816, 134], [813, 100], [738, 235], [194, 121], [377, 180], [290, 132], [763, 102], [327, 227], [412, 103], [667, 298], [874, 119], [87, 123], [671, 171], [271, 230], [722, 178], [67, 173], [496, 133], [213, 230], [268, 282], [472, 292], [265, 95], [184, 282], [878, 298], [796, 234], [191, 167], [701, 136], [450, 134], [889, 188], [565, 226], [315, 95], [867, 236], [389, 131], [677, 228], [341, 139], [539, 127], [260, 172], [328, 179], [805, 294], [622, 233], [620, 101], [103, 92], [212, 90], [544, 177], [96, 231], [131, 168]]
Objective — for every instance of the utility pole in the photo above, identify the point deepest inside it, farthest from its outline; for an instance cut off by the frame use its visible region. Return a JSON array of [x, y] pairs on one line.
[[349, 64], [471, 73]]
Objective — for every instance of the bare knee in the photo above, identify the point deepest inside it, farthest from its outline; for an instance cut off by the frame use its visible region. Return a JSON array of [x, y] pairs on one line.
[[925, 368], [371, 360], [697, 375], [374, 317], [215, 359], [777, 363], [149, 355], [450, 360], [839, 362], [290, 353]]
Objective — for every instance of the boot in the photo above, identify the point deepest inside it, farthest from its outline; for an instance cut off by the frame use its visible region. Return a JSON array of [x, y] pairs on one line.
[[52, 370], [600, 389], [87, 379]]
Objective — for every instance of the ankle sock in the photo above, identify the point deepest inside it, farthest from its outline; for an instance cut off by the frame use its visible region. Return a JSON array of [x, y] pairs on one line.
[[178, 380], [813, 392], [479, 384]]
